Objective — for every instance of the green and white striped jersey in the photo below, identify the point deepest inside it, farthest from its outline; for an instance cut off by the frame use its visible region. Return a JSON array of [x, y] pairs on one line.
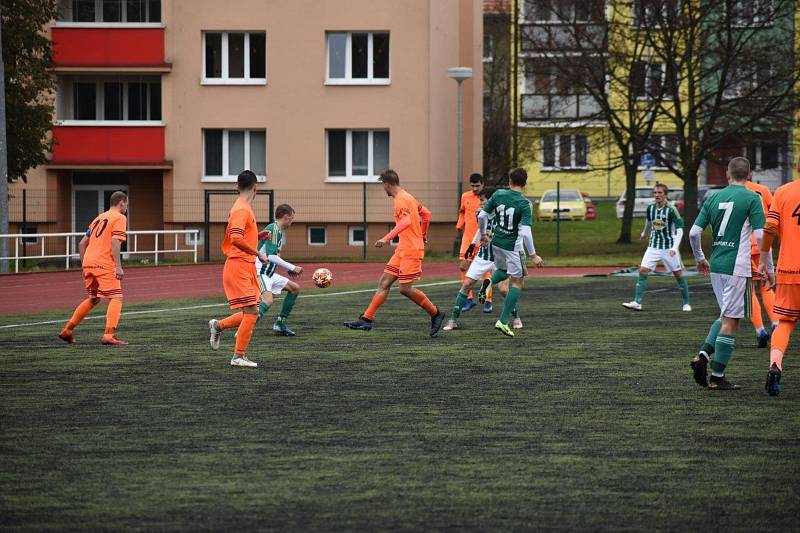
[[485, 252], [271, 246], [665, 220], [734, 212]]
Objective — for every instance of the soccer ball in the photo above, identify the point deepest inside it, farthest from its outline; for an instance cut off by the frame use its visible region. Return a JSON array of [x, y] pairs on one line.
[[322, 277]]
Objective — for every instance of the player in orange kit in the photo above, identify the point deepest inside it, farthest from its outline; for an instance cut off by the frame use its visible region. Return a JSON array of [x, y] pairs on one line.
[[102, 268], [411, 226], [239, 274], [467, 224], [783, 222], [767, 294]]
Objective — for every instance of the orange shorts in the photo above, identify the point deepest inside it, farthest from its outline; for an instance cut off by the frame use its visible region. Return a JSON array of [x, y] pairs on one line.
[[102, 283], [241, 283], [406, 269], [787, 301]]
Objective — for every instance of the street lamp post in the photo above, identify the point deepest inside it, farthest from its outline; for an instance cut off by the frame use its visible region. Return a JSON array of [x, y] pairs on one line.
[[459, 74]]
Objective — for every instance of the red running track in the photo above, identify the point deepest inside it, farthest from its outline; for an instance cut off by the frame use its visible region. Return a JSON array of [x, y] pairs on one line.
[[43, 291]]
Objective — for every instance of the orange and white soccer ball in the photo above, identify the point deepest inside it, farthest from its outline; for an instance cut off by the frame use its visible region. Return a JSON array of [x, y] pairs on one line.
[[322, 277]]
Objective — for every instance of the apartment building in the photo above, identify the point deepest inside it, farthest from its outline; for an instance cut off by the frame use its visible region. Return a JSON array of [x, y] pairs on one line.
[[561, 133], [171, 99]]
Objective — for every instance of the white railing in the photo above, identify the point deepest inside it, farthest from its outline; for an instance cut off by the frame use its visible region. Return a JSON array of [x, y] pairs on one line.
[[71, 253]]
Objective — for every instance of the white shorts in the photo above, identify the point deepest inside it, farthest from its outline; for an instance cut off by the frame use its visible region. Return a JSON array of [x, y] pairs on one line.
[[733, 294], [653, 255], [512, 262], [274, 283], [479, 267]]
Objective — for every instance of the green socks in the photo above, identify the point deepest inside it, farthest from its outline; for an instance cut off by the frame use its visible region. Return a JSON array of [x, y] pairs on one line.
[[510, 303], [288, 303], [461, 299], [684, 289], [262, 309], [641, 285], [498, 276], [724, 346], [711, 338]]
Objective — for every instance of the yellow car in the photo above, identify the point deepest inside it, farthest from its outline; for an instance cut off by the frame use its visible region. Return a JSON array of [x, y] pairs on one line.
[[572, 205]]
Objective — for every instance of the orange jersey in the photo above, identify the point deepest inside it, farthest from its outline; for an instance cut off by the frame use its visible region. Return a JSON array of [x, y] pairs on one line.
[[242, 222], [412, 241], [107, 226], [470, 204], [784, 217], [766, 201]]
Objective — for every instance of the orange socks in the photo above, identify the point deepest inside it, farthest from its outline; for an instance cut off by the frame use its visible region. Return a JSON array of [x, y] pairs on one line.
[[419, 298], [377, 300], [80, 313], [768, 296], [232, 321], [755, 312], [780, 340], [488, 275], [245, 332], [112, 316]]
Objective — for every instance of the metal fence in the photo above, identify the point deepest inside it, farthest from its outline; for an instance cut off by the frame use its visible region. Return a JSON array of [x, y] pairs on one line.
[[60, 245]]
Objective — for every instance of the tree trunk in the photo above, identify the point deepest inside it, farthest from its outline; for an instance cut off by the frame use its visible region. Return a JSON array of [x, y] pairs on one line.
[[630, 201], [3, 164], [690, 198]]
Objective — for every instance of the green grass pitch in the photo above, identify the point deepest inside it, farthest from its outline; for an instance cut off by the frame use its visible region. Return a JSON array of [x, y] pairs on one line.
[[588, 419]]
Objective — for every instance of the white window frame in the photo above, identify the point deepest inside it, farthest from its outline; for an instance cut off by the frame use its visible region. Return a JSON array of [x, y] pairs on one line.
[[200, 236], [557, 152], [553, 18], [648, 68], [225, 80], [637, 23], [351, 239], [227, 178], [371, 176], [98, 8], [348, 60], [745, 85], [100, 107], [755, 23], [757, 147], [662, 142], [324, 228]]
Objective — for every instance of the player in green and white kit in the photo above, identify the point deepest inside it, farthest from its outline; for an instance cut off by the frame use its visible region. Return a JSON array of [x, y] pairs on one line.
[[271, 240], [512, 220], [665, 226], [735, 215], [482, 263]]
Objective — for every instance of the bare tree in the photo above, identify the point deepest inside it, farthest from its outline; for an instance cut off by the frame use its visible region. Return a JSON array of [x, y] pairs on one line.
[[497, 133], [585, 68], [732, 72]]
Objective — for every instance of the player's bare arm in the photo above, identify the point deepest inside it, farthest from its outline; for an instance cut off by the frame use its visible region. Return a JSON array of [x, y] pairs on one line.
[[116, 249], [82, 246]]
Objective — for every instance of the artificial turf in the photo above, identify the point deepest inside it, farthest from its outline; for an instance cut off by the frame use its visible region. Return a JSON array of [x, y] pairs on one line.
[[587, 419]]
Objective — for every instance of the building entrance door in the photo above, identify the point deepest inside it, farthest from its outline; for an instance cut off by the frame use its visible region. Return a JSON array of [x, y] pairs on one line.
[[88, 201]]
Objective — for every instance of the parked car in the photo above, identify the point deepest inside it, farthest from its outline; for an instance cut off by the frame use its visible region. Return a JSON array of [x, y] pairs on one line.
[[591, 209], [644, 197], [704, 192], [677, 200], [572, 205]]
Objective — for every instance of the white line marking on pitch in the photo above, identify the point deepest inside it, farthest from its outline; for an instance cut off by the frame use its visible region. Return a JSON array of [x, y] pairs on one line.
[[205, 306]]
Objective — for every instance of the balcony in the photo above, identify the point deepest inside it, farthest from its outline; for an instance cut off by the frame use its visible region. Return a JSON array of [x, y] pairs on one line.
[[554, 107], [109, 146], [115, 48]]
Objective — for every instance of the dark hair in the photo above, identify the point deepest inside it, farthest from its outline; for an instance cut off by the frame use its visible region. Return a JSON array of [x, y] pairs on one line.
[[390, 176], [662, 186], [247, 180], [739, 168], [518, 176], [486, 192], [476, 178], [117, 197], [283, 210]]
